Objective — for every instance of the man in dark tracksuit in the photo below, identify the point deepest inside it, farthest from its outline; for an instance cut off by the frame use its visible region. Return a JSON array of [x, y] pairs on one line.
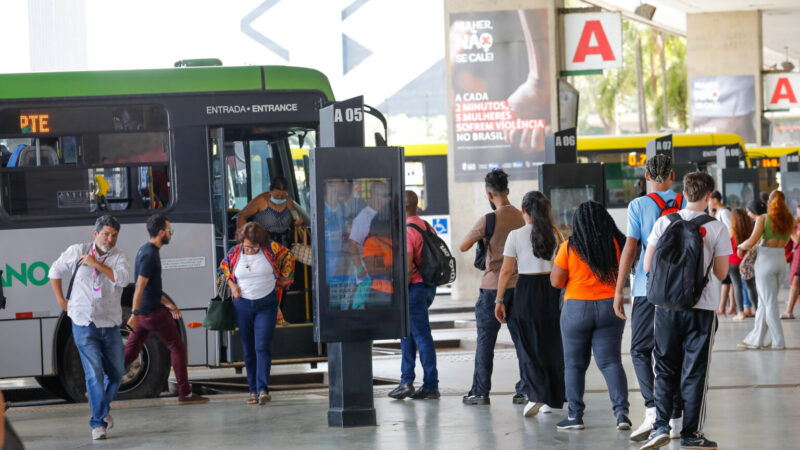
[[643, 212], [684, 338]]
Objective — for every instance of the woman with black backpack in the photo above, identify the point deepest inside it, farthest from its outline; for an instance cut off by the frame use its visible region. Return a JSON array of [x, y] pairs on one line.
[[586, 266], [534, 310]]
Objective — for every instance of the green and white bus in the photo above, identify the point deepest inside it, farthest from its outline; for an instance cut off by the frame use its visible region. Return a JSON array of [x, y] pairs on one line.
[[194, 143]]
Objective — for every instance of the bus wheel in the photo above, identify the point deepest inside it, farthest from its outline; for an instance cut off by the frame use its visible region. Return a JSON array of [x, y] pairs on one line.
[[52, 384], [147, 377]]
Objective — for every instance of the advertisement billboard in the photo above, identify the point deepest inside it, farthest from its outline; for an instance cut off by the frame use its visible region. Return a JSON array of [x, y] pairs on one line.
[[725, 104], [500, 78]]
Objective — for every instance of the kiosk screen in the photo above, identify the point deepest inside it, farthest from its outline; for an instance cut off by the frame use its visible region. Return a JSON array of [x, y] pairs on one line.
[[358, 243], [738, 194], [790, 184], [565, 201]]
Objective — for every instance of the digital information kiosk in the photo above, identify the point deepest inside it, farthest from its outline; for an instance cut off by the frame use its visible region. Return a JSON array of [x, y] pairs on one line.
[[359, 256], [790, 180], [738, 185], [565, 182]]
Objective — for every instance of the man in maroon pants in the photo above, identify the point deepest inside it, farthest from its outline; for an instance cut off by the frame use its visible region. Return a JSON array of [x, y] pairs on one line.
[[152, 312]]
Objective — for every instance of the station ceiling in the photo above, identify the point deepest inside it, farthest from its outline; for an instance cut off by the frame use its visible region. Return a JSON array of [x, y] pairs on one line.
[[779, 20]]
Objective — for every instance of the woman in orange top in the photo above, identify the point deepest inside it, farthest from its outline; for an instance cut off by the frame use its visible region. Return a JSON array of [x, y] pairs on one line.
[[587, 265]]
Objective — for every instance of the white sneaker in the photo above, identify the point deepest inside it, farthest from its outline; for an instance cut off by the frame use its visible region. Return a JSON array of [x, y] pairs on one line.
[[641, 433], [98, 433], [531, 409], [675, 425], [109, 422], [545, 409]]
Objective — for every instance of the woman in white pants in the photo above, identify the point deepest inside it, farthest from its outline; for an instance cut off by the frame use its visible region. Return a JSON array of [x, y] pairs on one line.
[[771, 270]]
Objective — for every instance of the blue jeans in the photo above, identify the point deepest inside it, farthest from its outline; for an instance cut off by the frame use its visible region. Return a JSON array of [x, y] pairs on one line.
[[102, 357], [256, 320], [488, 327], [586, 326], [420, 297]]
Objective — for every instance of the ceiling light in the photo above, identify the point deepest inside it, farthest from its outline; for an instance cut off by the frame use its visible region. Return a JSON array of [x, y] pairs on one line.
[[645, 10]]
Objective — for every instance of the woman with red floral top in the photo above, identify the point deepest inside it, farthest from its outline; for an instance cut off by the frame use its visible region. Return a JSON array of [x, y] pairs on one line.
[[257, 271]]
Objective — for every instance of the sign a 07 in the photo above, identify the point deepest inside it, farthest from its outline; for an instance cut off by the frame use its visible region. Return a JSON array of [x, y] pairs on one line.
[[592, 41]]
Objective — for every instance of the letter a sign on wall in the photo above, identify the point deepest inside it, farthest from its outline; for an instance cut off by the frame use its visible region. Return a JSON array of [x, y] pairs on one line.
[[592, 41], [781, 91]]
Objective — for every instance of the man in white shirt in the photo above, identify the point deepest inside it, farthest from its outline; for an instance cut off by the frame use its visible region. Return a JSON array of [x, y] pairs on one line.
[[683, 339], [97, 274], [379, 196], [718, 209]]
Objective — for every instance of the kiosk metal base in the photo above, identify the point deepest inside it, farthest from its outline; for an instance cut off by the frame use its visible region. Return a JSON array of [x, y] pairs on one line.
[[350, 385]]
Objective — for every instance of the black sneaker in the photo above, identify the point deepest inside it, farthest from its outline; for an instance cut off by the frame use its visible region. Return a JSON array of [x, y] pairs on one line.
[[698, 441], [570, 424], [425, 394], [623, 423], [402, 391], [519, 399], [471, 399]]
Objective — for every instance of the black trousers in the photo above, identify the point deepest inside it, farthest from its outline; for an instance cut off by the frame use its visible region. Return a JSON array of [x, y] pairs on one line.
[[642, 343], [683, 342]]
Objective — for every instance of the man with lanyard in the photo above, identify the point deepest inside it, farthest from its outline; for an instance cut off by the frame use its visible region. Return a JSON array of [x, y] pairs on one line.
[[642, 215], [98, 272], [153, 312]]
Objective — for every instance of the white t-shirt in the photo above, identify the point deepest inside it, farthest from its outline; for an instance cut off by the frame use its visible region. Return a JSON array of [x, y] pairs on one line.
[[255, 276], [724, 216], [717, 242], [360, 228], [519, 246]]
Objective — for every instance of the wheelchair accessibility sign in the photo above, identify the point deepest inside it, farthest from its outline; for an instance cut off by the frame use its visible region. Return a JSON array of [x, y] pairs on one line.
[[440, 225]]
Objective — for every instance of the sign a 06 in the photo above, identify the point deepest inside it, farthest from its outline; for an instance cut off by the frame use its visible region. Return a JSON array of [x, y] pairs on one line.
[[34, 123], [592, 41]]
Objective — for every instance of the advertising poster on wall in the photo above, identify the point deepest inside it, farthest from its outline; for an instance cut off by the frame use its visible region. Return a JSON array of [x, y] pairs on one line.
[[500, 75], [725, 104]]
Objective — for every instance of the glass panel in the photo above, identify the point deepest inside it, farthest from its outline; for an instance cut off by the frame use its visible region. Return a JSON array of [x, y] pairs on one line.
[[301, 165], [565, 201], [415, 181], [358, 243], [738, 194], [51, 191]]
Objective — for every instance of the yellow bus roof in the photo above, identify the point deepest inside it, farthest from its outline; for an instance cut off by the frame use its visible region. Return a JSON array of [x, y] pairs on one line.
[[770, 152], [634, 142]]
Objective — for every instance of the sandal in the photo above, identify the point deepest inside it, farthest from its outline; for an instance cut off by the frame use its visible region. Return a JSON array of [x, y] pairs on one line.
[[252, 400], [263, 398], [787, 316]]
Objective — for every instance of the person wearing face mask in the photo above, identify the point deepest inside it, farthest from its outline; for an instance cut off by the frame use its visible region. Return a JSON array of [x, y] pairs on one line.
[[275, 211], [97, 274]]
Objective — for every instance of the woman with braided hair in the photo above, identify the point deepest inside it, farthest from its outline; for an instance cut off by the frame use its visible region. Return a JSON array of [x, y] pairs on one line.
[[534, 310], [587, 266]]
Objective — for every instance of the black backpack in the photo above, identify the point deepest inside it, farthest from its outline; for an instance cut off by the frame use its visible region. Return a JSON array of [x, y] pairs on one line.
[[483, 244], [677, 278], [438, 265]]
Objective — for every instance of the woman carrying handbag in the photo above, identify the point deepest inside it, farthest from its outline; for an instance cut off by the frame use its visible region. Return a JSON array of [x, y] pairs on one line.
[[256, 271]]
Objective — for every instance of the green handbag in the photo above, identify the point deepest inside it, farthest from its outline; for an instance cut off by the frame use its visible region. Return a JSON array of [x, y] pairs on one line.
[[219, 316]]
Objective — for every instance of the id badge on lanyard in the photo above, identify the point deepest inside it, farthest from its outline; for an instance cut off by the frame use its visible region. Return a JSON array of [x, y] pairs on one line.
[[97, 277]]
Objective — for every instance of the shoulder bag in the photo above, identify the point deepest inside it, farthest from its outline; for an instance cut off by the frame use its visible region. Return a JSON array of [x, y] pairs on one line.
[[300, 248], [219, 315], [483, 244], [747, 266]]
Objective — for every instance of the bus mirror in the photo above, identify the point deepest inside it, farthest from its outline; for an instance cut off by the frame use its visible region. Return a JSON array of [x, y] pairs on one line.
[[379, 140]]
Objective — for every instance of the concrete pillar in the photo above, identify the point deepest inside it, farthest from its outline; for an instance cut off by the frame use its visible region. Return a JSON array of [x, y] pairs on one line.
[[726, 43], [468, 199]]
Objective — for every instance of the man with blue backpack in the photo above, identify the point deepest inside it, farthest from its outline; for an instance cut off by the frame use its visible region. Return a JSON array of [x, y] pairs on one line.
[[643, 212], [682, 251]]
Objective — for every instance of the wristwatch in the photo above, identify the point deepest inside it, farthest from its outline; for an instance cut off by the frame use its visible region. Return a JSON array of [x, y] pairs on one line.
[[498, 300], [136, 312]]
